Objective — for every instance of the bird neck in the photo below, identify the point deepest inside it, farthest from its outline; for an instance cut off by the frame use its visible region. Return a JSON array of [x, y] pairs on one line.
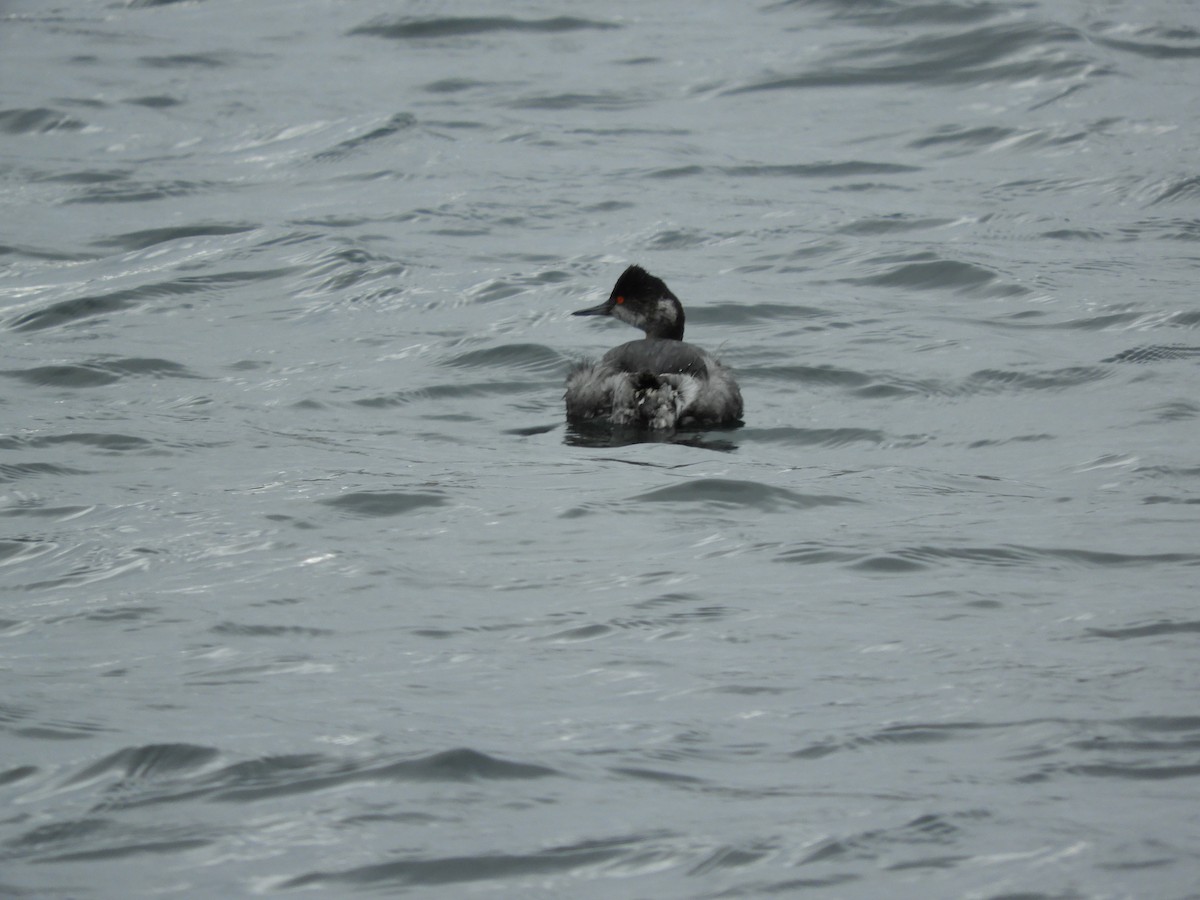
[[667, 324]]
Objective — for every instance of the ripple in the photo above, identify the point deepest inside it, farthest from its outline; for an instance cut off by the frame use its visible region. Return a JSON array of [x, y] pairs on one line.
[[68, 311], [997, 380], [663, 617], [187, 61], [98, 373], [727, 493], [746, 313], [960, 139], [116, 443], [334, 271], [1154, 629], [1157, 353], [1155, 42], [601, 100], [108, 840], [140, 240], [656, 775], [238, 630], [924, 272], [133, 842], [893, 14], [464, 764], [454, 85], [37, 121], [281, 776], [21, 471], [80, 309], [882, 842], [918, 558], [1007, 52], [1100, 321], [58, 513], [122, 563], [840, 169], [22, 550], [811, 375], [84, 176], [408, 28], [16, 774], [823, 437], [523, 357], [382, 503], [892, 224], [155, 101], [457, 869], [154, 774], [400, 122], [445, 391], [1186, 189], [1132, 748], [1135, 772], [145, 191], [146, 763]]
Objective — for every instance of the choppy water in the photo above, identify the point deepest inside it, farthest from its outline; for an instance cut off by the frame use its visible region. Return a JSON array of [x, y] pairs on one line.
[[307, 587]]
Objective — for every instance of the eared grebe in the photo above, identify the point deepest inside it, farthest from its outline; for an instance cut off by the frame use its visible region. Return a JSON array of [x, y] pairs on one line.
[[658, 382]]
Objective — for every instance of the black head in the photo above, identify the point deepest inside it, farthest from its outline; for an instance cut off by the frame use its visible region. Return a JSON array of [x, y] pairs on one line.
[[641, 300]]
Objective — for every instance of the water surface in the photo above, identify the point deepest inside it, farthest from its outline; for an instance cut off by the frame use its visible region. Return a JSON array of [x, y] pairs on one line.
[[309, 588]]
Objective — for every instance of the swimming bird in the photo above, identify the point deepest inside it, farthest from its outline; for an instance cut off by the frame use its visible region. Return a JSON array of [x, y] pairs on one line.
[[659, 382]]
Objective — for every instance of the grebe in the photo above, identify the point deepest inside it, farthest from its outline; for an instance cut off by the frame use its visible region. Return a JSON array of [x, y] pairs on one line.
[[659, 382]]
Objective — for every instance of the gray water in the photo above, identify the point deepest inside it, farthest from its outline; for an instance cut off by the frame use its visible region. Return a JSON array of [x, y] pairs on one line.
[[309, 590]]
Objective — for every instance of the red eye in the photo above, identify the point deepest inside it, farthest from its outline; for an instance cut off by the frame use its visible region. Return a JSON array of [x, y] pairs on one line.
[[620, 300]]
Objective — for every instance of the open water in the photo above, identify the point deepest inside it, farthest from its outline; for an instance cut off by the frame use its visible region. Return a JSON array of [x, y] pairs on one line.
[[309, 591]]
